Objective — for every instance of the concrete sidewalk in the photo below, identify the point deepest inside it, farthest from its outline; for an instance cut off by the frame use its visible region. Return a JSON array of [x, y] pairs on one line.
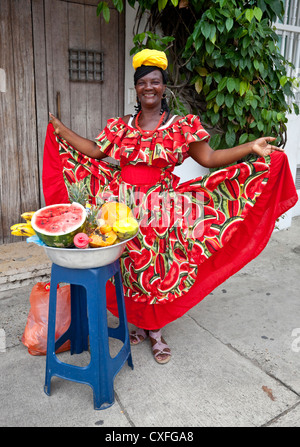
[[236, 358]]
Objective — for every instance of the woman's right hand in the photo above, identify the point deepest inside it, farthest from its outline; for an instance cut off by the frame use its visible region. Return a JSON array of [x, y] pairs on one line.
[[83, 145], [57, 124]]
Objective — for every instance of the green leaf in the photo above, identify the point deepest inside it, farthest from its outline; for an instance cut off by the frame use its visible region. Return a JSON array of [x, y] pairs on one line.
[[197, 29], [260, 126], [230, 84], [222, 84], [276, 6], [198, 43], [256, 64], [243, 138], [209, 79], [249, 14], [238, 13], [248, 97], [217, 76], [174, 2], [206, 29], [118, 5], [212, 95], [246, 41], [212, 35], [229, 100], [237, 109], [220, 62], [211, 14], [215, 119], [106, 12], [221, 26], [283, 80], [230, 138], [220, 99], [237, 85], [296, 108], [257, 13], [209, 46], [99, 8], [254, 103], [139, 38], [215, 141], [162, 4], [243, 87], [229, 23]]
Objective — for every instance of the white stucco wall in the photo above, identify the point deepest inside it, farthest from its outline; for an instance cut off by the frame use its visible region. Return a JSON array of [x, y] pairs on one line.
[[292, 150], [129, 91]]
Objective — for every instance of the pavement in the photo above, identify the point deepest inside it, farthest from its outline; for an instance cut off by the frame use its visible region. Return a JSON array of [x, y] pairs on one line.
[[235, 363]]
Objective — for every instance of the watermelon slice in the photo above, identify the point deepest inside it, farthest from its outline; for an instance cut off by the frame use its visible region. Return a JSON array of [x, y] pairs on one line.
[[56, 225]]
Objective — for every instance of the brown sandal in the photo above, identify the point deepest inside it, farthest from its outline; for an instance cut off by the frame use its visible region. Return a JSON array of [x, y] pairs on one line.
[[161, 348], [137, 336]]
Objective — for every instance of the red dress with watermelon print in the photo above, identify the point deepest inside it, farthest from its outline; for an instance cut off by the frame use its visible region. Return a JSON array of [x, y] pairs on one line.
[[193, 235]]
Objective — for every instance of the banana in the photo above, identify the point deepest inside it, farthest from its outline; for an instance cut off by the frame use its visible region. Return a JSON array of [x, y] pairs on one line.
[[28, 215], [18, 225], [22, 229]]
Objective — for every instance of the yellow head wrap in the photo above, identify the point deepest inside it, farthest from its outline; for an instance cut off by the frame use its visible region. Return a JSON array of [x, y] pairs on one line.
[[150, 57]]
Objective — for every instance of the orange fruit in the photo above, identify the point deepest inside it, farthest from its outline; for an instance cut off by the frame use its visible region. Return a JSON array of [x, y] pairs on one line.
[[105, 228]]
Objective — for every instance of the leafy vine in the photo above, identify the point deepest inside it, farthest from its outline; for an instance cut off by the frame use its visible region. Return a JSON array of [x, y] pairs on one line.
[[225, 63]]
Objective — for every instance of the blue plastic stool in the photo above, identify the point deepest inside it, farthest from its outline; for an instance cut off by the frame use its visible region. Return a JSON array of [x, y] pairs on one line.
[[88, 324]]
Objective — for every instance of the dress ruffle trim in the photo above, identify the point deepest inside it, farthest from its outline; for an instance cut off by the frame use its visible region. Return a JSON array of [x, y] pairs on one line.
[[167, 146]]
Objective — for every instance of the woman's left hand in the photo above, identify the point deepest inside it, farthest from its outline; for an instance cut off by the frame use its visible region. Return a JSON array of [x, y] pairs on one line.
[[262, 147]]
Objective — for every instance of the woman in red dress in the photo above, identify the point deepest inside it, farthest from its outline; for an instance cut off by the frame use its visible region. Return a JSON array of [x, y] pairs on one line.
[[194, 235]]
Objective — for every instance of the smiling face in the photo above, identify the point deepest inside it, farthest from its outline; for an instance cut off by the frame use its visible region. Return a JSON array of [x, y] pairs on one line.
[[150, 89]]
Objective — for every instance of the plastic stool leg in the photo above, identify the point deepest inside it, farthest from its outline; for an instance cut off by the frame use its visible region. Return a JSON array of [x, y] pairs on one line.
[[123, 327], [99, 348], [79, 325], [51, 335]]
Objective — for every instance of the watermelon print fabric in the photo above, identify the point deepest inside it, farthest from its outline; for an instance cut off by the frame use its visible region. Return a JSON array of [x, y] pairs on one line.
[[183, 227]]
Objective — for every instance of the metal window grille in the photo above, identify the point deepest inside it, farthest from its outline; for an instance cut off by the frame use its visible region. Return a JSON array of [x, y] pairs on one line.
[[297, 182], [85, 65], [289, 39]]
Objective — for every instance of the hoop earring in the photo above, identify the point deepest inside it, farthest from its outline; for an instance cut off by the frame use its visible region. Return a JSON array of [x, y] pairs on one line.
[[138, 106]]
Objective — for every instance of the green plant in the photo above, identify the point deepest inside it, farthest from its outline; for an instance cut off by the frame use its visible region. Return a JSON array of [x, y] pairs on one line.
[[225, 64]]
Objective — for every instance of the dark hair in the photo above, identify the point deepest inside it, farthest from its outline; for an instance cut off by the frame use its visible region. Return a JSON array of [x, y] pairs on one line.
[[142, 71]]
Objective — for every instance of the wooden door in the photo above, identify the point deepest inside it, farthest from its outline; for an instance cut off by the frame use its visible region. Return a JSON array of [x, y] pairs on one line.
[[19, 182], [84, 106], [36, 36]]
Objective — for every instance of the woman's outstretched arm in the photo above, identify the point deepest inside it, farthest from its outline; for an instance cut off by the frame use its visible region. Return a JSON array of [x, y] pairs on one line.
[[83, 145], [207, 157]]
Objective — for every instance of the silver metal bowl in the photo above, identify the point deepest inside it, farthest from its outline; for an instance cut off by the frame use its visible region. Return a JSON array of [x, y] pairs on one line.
[[86, 258]]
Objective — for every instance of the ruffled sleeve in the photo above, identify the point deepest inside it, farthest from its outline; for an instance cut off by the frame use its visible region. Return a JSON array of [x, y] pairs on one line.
[[110, 139], [174, 141], [183, 132], [192, 129]]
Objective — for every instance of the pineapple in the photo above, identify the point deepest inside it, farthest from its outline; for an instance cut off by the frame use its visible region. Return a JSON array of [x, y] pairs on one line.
[[91, 219], [78, 192]]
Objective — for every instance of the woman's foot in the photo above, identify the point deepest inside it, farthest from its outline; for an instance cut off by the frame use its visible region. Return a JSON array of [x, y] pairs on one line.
[[137, 336], [160, 349]]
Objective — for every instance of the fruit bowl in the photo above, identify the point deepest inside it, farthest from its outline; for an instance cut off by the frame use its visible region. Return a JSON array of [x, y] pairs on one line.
[[87, 258]]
